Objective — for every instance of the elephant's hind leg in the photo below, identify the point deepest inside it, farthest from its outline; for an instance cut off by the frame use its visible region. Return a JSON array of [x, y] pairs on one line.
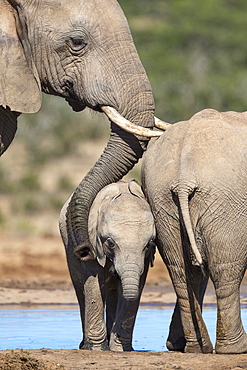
[[195, 332], [188, 331], [176, 340], [230, 335]]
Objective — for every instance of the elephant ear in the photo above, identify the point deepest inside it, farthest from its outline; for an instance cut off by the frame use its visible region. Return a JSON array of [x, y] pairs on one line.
[[20, 89], [152, 254], [135, 188], [108, 193], [100, 255]]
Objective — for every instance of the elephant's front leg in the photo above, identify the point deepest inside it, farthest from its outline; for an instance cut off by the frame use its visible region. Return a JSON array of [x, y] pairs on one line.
[[111, 297], [176, 340], [95, 336], [122, 330]]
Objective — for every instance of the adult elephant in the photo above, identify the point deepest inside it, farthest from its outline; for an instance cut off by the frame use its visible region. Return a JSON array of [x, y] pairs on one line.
[[195, 179], [82, 51]]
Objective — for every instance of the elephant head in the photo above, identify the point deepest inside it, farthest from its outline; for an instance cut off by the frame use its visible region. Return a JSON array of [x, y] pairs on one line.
[[82, 51], [121, 229]]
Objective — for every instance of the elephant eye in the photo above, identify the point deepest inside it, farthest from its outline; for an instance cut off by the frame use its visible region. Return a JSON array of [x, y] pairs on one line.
[[77, 43], [109, 248], [110, 243]]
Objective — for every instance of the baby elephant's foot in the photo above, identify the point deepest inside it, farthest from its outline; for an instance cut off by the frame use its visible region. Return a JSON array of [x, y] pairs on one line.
[[233, 346], [85, 344], [118, 344]]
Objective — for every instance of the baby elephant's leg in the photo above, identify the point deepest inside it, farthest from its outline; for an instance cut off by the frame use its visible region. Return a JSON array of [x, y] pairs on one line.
[[95, 337]]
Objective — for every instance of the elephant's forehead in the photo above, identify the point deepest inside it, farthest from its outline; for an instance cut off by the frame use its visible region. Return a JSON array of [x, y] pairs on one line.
[[128, 207], [76, 11], [128, 217], [124, 229]]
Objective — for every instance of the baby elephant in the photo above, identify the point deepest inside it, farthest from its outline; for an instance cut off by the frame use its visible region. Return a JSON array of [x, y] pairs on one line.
[[122, 232]]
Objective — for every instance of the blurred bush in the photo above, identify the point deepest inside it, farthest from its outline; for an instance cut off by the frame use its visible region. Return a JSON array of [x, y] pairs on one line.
[[56, 129], [195, 53]]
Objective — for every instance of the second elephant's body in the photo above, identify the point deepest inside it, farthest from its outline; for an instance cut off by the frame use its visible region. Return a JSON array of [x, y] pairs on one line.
[[195, 178]]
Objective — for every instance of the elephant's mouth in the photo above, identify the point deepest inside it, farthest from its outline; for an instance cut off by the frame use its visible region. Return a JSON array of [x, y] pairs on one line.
[[119, 120], [76, 105]]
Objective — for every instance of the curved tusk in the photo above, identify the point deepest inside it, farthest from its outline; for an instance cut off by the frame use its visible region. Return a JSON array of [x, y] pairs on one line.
[[161, 124], [122, 122]]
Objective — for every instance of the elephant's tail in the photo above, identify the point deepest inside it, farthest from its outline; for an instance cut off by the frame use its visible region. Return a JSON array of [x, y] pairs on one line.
[[183, 197]]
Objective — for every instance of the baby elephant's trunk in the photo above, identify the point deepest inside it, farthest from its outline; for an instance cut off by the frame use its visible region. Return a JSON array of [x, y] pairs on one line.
[[130, 280]]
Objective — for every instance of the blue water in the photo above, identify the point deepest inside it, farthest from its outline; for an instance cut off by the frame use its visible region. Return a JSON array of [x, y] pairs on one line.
[[60, 327]]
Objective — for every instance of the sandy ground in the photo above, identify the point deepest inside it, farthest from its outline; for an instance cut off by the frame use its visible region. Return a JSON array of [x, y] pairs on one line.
[[33, 270]]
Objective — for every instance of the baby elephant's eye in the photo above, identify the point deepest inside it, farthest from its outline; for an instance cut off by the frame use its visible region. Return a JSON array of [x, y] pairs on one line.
[[109, 248], [110, 243]]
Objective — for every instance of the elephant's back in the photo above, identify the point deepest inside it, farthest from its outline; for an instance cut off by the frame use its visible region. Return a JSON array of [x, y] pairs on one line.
[[207, 152], [215, 147], [210, 142], [205, 160]]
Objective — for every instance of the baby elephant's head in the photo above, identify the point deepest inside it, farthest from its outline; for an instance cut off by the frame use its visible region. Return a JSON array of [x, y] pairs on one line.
[[122, 229]]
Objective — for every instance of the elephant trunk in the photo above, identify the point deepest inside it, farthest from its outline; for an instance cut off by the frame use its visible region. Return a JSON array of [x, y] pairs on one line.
[[120, 155], [129, 274], [130, 285]]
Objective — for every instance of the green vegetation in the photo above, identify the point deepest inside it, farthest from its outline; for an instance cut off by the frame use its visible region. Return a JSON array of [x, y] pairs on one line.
[[195, 54], [55, 130]]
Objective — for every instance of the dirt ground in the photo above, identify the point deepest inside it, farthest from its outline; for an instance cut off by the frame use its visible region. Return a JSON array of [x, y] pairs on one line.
[[33, 270]]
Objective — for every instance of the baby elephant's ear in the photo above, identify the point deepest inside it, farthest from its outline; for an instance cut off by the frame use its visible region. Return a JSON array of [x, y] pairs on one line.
[[135, 188], [19, 83], [100, 255], [152, 254]]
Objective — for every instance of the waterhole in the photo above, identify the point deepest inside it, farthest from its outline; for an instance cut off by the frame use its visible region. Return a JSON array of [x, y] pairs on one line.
[[60, 327]]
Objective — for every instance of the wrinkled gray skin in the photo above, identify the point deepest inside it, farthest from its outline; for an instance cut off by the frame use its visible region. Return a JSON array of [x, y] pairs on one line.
[[81, 50], [122, 232], [195, 178]]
